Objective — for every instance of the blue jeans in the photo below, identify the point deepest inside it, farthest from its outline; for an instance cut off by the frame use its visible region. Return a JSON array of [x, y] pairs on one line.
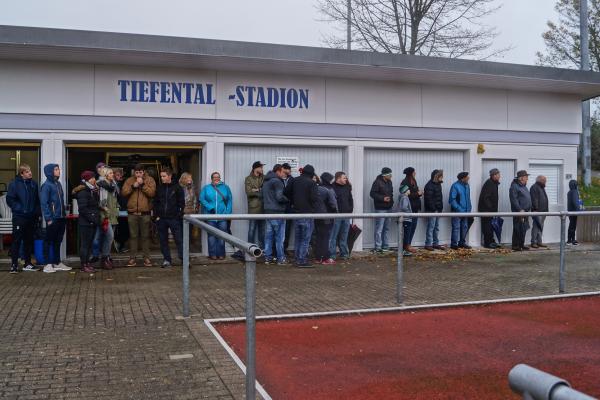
[[275, 231], [96, 245], [433, 228], [381, 231], [216, 246], [175, 225], [339, 237], [256, 232], [103, 241], [303, 230], [459, 231]]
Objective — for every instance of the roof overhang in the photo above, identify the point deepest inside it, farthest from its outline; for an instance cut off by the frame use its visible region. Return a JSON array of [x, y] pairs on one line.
[[76, 46]]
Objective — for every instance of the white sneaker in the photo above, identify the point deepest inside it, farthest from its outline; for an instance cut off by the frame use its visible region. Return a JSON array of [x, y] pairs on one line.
[[30, 268], [62, 267], [49, 268]]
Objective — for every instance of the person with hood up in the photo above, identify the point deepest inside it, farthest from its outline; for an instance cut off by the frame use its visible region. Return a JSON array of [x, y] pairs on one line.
[[405, 206], [216, 198], [303, 193], [382, 193], [169, 206], [139, 190], [327, 204], [88, 204], [275, 202], [415, 200], [488, 202], [109, 214], [539, 203], [460, 202], [52, 203], [23, 200], [341, 227], [520, 201], [253, 186], [433, 201], [574, 203]]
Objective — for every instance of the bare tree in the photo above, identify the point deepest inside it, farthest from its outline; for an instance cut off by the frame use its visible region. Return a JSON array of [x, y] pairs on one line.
[[443, 28], [563, 45]]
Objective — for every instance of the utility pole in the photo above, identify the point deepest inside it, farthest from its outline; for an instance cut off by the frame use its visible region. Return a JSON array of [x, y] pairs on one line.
[[586, 149], [349, 25]]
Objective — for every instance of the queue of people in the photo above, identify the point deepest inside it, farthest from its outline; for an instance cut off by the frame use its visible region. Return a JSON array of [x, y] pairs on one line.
[[103, 194]]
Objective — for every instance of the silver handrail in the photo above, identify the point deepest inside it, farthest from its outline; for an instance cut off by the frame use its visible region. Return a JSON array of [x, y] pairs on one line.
[[533, 384]]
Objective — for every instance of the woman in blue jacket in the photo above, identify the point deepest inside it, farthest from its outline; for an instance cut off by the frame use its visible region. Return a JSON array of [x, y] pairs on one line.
[[216, 198]]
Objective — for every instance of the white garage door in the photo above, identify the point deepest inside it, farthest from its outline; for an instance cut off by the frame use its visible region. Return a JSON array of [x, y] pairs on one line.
[[507, 174], [239, 159], [424, 161]]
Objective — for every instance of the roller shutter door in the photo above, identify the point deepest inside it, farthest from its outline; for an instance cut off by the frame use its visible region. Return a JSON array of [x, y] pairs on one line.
[[424, 161]]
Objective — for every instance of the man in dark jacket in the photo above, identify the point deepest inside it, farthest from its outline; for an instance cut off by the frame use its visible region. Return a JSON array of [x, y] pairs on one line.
[[573, 204], [287, 179], [345, 203], [327, 204], [382, 193], [488, 202], [539, 203], [520, 201], [434, 203], [275, 202], [23, 199], [169, 203], [302, 192], [88, 204]]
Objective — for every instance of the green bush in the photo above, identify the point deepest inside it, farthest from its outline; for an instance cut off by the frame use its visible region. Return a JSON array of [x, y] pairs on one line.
[[590, 195]]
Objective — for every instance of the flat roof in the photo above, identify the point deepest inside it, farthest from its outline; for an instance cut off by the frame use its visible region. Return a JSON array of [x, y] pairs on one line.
[[79, 46]]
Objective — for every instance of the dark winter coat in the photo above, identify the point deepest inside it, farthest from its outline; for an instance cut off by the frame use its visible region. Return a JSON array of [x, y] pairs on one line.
[[343, 194], [573, 197], [413, 194], [52, 196], [432, 196], [520, 198], [488, 198], [380, 189], [169, 201], [274, 201], [539, 198], [327, 202], [23, 198], [88, 204], [303, 193]]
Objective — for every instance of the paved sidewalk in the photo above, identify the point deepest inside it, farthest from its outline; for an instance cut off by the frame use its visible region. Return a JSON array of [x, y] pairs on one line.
[[114, 334]]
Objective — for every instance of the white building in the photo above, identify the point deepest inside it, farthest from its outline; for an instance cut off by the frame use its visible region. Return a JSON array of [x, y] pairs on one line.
[[78, 97]]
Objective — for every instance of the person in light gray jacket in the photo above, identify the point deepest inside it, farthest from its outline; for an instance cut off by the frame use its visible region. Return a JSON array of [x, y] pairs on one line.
[[520, 201]]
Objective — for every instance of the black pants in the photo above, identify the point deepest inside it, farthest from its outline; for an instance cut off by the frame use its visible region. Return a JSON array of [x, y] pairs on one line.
[[323, 233], [288, 230], [487, 230], [86, 241], [122, 233], [53, 239], [572, 229], [520, 226], [23, 229], [175, 225]]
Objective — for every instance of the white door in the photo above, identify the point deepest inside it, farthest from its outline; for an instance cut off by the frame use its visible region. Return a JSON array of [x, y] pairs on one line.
[[238, 165], [507, 173], [424, 162]]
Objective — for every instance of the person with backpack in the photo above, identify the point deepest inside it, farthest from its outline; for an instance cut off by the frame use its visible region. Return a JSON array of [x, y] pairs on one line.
[[109, 214], [216, 198]]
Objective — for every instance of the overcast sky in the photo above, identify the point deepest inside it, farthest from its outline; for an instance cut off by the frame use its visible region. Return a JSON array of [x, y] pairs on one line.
[[520, 22]]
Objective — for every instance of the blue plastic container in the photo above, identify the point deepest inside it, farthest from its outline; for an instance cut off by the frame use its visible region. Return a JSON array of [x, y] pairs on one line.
[[38, 250]]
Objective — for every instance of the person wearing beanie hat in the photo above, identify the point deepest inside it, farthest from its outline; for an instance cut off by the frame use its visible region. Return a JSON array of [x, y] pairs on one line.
[[88, 204], [303, 194], [327, 204], [414, 196], [460, 202], [253, 185], [433, 201], [99, 167], [488, 202], [382, 193], [404, 205]]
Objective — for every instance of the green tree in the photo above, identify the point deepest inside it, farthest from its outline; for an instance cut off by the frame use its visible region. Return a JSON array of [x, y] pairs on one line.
[[596, 145]]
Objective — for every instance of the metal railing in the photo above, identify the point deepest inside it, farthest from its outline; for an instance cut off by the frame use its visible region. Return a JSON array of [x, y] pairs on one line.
[[533, 384], [252, 251]]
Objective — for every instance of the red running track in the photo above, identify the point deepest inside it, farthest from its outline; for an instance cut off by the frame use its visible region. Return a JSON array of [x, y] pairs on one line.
[[455, 353]]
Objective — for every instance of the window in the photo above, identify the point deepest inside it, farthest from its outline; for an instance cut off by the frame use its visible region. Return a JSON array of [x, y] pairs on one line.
[[552, 171]]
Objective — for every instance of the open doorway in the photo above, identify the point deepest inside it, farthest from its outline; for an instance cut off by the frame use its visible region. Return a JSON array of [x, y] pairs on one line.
[[83, 156]]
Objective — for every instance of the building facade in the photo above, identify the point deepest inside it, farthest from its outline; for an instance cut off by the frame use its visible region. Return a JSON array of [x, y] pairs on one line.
[[78, 97]]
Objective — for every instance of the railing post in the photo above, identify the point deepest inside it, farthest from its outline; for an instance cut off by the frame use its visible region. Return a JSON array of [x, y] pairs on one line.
[[186, 269], [400, 262], [561, 272], [250, 266]]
